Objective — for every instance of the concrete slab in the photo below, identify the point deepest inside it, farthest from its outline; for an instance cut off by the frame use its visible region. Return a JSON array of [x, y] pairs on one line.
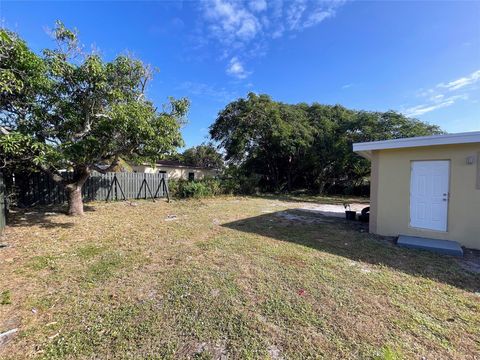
[[336, 210], [446, 247]]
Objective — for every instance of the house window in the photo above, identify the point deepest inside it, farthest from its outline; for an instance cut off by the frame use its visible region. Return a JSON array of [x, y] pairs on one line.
[[191, 176]]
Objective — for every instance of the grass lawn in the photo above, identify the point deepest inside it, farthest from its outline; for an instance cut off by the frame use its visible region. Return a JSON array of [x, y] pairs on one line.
[[227, 277]]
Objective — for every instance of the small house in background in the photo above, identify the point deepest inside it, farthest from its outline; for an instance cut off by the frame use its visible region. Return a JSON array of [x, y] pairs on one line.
[[426, 187], [176, 170]]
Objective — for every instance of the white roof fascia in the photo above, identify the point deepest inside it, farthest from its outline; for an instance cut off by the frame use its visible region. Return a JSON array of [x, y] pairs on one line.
[[446, 139]]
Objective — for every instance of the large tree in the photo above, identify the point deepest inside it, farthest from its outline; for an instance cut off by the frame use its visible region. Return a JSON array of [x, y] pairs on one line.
[[264, 136], [304, 146], [69, 110], [205, 155]]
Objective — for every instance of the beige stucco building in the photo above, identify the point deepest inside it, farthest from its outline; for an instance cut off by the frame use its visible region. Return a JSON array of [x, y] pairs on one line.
[[426, 186], [176, 171]]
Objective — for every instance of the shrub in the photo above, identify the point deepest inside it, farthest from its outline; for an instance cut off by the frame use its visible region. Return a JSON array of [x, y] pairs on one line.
[[241, 185], [236, 181], [195, 189]]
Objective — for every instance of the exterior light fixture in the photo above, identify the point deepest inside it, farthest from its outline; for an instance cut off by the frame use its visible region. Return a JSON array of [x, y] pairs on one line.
[[470, 160]]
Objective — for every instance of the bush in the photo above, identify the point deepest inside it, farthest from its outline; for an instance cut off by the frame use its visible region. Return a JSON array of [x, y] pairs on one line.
[[233, 182], [237, 182], [195, 189], [241, 185]]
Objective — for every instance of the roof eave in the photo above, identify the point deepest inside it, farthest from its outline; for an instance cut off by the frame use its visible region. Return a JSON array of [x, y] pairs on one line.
[[435, 140], [367, 154]]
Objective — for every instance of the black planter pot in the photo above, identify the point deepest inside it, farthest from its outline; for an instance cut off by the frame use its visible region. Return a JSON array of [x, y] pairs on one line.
[[364, 218], [350, 215], [365, 215]]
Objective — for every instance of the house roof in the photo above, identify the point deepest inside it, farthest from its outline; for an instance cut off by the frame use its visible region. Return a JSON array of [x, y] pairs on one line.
[[365, 149], [177, 164], [173, 163]]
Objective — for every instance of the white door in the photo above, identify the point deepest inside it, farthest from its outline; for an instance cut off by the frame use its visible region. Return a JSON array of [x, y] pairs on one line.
[[429, 194]]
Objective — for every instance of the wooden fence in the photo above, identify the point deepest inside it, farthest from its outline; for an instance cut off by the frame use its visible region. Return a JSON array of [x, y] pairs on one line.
[[38, 189]]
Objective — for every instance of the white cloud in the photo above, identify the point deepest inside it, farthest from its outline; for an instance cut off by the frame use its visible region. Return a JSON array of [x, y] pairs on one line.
[[230, 21], [346, 86], [441, 103], [258, 5], [462, 82], [240, 27], [303, 14], [446, 94], [235, 68], [317, 17], [295, 14]]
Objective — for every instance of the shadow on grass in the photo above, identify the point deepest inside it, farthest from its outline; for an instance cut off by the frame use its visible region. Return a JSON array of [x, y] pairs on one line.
[[351, 240], [43, 216]]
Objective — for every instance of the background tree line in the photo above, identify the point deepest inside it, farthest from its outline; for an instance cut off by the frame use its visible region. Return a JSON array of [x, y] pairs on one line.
[[273, 146], [204, 155]]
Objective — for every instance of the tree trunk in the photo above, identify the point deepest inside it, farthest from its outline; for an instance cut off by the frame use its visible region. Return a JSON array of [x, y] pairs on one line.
[[75, 201], [289, 174], [74, 191], [72, 187], [321, 187]]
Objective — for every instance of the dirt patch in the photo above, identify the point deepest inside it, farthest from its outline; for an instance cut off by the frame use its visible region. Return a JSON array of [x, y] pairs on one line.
[[300, 216]]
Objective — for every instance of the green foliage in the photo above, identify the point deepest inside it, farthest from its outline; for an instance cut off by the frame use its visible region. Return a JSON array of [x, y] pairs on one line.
[[195, 189], [233, 182], [286, 147], [204, 155], [236, 181], [22, 73], [69, 109], [25, 150]]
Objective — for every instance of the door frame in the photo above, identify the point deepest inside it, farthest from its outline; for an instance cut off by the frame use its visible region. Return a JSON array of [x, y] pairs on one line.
[[448, 195]]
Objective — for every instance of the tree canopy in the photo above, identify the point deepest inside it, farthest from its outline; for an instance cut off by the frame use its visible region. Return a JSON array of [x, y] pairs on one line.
[[66, 109], [305, 146], [205, 155]]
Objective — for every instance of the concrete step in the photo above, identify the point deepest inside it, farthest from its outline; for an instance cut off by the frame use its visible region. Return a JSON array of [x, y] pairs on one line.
[[446, 247]]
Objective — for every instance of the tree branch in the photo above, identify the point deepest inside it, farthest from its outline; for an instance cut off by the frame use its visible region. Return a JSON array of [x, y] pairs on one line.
[[103, 115], [54, 175], [107, 169]]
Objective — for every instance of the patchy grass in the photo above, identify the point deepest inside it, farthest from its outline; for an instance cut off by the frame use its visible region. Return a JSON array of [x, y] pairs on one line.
[[5, 297], [89, 251], [103, 268], [231, 277], [42, 262]]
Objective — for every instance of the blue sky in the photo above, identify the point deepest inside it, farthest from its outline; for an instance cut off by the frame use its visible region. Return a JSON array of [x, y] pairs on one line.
[[420, 58]]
